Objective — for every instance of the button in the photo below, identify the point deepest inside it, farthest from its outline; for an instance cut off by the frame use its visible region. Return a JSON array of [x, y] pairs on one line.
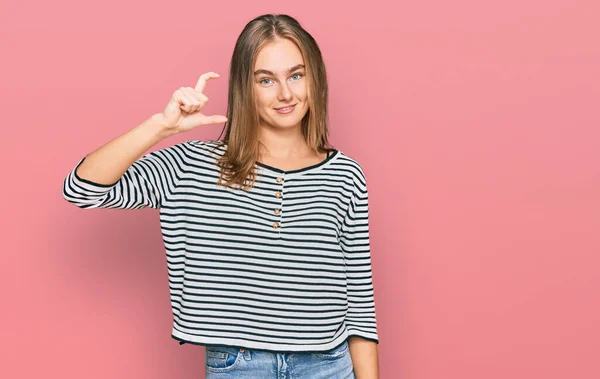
[[276, 225], [279, 179], [278, 195], [277, 211]]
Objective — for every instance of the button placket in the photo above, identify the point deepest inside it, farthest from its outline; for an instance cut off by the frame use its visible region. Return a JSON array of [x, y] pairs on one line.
[[279, 195]]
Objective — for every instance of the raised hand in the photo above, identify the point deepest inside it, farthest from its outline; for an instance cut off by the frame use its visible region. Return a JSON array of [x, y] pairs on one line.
[[183, 112]]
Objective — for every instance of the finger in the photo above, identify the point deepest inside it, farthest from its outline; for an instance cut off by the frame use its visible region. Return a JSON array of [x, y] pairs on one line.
[[187, 102], [217, 119], [202, 98], [203, 79], [180, 99], [196, 103]]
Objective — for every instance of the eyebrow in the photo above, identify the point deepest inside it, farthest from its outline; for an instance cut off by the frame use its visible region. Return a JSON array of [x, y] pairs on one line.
[[263, 71]]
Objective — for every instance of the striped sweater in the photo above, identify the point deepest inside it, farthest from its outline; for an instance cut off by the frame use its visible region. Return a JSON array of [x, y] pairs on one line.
[[284, 267]]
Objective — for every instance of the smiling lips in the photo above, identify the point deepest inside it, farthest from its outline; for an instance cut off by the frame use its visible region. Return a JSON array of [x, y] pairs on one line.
[[286, 109]]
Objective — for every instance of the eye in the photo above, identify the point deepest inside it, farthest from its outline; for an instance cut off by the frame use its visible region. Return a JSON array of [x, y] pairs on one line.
[[299, 75], [263, 79]]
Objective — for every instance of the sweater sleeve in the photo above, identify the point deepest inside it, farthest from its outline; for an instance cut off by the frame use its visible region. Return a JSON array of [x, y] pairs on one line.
[[355, 243], [146, 183]]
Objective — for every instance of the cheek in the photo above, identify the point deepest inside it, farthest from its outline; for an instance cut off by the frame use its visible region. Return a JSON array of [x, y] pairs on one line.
[[301, 91], [264, 98], [260, 103]]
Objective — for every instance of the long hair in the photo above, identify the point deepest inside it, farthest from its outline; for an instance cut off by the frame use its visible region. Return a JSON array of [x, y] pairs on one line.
[[237, 164]]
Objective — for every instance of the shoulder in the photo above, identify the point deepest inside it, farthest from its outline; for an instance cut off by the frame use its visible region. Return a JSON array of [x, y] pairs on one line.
[[208, 145], [191, 152], [211, 149], [351, 165]]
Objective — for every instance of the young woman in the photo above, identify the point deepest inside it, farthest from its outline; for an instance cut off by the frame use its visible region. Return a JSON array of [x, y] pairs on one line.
[[266, 231]]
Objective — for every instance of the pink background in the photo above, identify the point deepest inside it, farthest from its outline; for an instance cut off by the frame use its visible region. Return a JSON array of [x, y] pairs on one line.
[[477, 125]]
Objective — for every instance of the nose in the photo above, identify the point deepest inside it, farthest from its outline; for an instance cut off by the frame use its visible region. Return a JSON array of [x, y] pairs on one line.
[[285, 94]]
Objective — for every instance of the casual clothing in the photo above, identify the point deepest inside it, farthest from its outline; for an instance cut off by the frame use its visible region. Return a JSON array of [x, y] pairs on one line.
[[223, 362], [284, 267]]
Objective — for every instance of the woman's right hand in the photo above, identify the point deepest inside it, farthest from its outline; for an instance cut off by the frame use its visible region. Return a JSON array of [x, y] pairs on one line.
[[183, 110]]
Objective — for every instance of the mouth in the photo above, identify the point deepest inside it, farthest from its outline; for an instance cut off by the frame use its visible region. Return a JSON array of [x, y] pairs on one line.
[[286, 109]]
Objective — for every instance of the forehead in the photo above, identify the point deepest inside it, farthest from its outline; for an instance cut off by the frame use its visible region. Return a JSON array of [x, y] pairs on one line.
[[278, 56]]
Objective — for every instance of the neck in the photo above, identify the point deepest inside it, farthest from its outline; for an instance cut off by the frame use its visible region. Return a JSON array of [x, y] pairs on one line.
[[282, 143]]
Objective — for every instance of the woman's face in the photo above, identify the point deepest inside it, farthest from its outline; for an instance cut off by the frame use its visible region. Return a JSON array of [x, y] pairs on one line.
[[276, 87]]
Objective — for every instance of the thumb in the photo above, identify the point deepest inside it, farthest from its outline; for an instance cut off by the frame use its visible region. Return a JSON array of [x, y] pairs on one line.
[[217, 119], [198, 119]]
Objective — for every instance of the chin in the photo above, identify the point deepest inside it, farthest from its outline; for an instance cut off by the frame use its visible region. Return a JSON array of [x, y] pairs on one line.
[[286, 124]]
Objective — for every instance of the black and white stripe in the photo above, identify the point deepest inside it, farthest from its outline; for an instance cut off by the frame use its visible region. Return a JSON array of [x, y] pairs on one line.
[[236, 279]]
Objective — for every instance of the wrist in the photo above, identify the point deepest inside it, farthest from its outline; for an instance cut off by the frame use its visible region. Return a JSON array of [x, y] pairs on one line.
[[156, 124]]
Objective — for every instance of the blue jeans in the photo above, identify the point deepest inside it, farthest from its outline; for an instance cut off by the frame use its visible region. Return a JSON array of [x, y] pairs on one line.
[[224, 362]]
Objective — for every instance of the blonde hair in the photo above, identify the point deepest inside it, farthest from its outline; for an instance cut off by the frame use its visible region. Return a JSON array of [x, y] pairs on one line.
[[241, 129]]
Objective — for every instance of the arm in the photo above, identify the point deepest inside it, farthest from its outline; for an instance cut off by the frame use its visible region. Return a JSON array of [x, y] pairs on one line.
[[113, 177], [364, 358], [360, 318]]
